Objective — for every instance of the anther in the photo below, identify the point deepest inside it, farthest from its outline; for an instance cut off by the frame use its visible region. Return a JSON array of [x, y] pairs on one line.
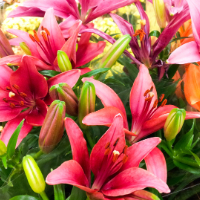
[[11, 94], [125, 149], [47, 32], [8, 88], [161, 97], [21, 103], [5, 100], [125, 158], [107, 145], [164, 102], [143, 22], [36, 36], [107, 151], [16, 87], [12, 105], [117, 140], [115, 155], [44, 35], [151, 89], [32, 38], [155, 103], [141, 34], [147, 91], [22, 94]]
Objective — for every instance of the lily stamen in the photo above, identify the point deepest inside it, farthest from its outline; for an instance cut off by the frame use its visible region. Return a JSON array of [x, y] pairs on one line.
[[12, 105], [141, 34]]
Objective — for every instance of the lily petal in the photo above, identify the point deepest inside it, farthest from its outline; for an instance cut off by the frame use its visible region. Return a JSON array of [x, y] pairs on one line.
[[5, 73], [78, 145], [12, 125], [32, 83], [133, 179], [136, 153], [70, 172], [156, 164], [186, 53]]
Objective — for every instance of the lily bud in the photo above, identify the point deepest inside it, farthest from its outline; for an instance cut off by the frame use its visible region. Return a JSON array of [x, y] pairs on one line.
[[159, 8], [25, 48], [63, 61], [76, 47], [86, 102], [64, 92], [115, 51], [174, 123], [33, 174], [3, 148], [53, 126]]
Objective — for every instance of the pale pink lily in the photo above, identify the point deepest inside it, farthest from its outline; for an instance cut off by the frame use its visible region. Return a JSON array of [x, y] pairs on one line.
[[149, 112], [49, 39], [115, 166], [22, 94]]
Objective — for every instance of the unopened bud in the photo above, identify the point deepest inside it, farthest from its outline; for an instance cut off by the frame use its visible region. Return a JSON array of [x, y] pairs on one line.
[[53, 126], [64, 92], [159, 8], [33, 174], [63, 61], [174, 123], [115, 51], [86, 102], [3, 148], [76, 47], [25, 48]]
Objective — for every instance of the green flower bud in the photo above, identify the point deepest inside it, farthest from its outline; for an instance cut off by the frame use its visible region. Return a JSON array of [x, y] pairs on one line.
[[3, 148], [64, 92], [63, 61], [25, 48], [86, 102], [33, 174], [53, 126], [174, 123], [76, 47], [115, 51], [159, 8]]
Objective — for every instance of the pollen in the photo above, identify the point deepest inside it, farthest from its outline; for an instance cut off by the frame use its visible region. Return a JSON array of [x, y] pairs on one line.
[[143, 22], [8, 88], [21, 103], [11, 94], [164, 102], [107, 151], [141, 34], [146, 92], [16, 87], [115, 155], [36, 36], [12, 105], [22, 94], [155, 103], [161, 97], [32, 38]]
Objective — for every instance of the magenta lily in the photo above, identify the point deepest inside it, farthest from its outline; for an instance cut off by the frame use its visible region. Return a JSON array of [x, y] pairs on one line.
[[91, 9], [49, 39], [22, 96], [114, 165], [149, 112]]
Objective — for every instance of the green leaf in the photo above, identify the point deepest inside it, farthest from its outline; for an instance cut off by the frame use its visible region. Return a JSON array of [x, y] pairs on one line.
[[4, 161], [154, 33], [179, 38], [13, 140], [77, 194], [24, 197], [3, 149], [49, 73], [194, 155], [172, 70], [91, 73], [59, 192]]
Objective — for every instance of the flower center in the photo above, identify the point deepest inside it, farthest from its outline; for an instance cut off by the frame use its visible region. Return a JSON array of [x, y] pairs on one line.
[[112, 162], [45, 45], [17, 98], [141, 34]]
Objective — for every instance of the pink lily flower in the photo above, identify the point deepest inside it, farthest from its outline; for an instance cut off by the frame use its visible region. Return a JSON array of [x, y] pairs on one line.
[[149, 112], [115, 166], [22, 96], [91, 9], [49, 39]]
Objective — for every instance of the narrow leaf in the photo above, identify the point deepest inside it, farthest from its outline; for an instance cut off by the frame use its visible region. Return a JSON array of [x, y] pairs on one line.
[[155, 33], [77, 194], [24, 197]]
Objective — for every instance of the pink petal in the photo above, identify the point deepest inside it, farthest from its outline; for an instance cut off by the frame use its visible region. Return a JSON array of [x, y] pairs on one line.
[[29, 80], [36, 115], [5, 73], [97, 157], [107, 95], [186, 53], [194, 6], [88, 52], [85, 70], [69, 77], [142, 83], [136, 153], [56, 38], [104, 117], [156, 164], [133, 179], [12, 125], [78, 145], [13, 59], [70, 172]]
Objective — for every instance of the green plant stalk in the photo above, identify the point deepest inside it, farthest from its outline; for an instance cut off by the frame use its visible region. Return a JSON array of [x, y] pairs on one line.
[[59, 193], [44, 196]]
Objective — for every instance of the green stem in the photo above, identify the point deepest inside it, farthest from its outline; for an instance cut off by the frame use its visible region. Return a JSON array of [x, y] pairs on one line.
[[44, 196], [186, 161], [37, 155], [89, 139]]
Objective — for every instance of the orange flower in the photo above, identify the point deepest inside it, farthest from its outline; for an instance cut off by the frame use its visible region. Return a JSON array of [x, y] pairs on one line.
[[192, 85]]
